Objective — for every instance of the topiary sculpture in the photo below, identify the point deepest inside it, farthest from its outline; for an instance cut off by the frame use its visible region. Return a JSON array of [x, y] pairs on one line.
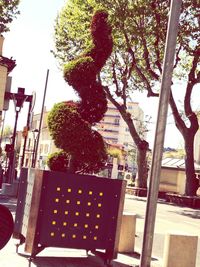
[[70, 123], [58, 161]]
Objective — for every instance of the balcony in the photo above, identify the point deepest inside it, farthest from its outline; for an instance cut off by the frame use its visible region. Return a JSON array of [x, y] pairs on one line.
[[112, 115]]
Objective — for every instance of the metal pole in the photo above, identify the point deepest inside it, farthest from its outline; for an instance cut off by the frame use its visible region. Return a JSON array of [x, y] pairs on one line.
[[2, 128], [33, 159], [25, 138], [152, 197], [12, 153], [41, 116]]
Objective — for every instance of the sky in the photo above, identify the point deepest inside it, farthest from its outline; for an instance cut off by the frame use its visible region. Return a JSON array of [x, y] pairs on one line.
[[29, 42]]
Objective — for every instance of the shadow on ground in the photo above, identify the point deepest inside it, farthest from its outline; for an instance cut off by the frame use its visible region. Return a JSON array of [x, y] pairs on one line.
[[90, 261], [195, 214], [10, 203], [123, 260]]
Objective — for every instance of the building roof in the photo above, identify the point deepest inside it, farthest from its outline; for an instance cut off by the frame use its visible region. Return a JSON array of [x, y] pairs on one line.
[[177, 163]]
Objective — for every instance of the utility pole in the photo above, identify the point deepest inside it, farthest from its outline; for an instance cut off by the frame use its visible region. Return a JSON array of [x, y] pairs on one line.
[[41, 117], [152, 198]]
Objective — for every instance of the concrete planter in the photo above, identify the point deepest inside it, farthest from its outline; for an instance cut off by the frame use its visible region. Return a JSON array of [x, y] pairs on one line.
[[185, 201], [136, 191], [10, 189], [142, 192]]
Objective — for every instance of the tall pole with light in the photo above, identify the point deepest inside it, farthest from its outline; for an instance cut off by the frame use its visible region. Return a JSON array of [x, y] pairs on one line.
[[35, 136], [18, 98], [27, 127]]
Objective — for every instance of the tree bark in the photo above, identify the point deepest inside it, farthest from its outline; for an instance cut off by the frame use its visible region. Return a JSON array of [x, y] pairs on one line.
[[188, 134], [142, 164], [191, 181]]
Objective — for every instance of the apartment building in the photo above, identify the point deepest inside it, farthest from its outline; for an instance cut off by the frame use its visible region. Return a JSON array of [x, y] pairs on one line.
[[116, 133], [114, 129]]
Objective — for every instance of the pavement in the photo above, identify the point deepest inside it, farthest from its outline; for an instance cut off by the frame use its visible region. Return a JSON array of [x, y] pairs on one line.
[[60, 257]]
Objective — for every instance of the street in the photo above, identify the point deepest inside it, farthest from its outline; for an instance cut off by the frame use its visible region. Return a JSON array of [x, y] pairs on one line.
[[169, 218]]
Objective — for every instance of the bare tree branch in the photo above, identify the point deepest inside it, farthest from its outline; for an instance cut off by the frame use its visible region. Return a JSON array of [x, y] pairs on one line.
[[180, 124], [177, 59], [153, 74]]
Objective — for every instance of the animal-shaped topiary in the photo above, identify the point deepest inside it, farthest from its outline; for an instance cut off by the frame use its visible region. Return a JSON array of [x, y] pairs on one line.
[[70, 123]]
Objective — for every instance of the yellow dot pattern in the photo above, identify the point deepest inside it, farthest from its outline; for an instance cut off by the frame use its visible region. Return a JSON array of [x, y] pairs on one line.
[[77, 214]]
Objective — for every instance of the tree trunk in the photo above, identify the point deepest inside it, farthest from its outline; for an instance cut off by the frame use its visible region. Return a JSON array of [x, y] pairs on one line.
[[188, 134], [142, 164], [72, 164], [191, 181]]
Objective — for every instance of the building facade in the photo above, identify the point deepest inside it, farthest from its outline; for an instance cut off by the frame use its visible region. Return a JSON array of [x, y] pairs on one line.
[[45, 144], [6, 66], [197, 147], [114, 130]]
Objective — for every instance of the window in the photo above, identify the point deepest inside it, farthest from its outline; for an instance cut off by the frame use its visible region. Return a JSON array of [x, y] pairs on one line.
[[46, 149], [41, 148], [116, 121]]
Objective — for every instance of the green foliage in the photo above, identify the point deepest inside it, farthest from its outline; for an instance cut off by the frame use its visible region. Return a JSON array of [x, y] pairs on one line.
[[81, 73], [65, 125], [115, 153], [58, 161], [74, 135], [139, 33], [7, 132], [8, 11], [178, 154]]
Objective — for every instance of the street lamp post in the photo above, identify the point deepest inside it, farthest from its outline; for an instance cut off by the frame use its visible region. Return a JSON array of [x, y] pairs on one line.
[[11, 169], [35, 135], [18, 98], [31, 105]]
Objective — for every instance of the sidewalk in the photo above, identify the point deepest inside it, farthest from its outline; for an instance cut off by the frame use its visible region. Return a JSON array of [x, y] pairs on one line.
[[59, 257]]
